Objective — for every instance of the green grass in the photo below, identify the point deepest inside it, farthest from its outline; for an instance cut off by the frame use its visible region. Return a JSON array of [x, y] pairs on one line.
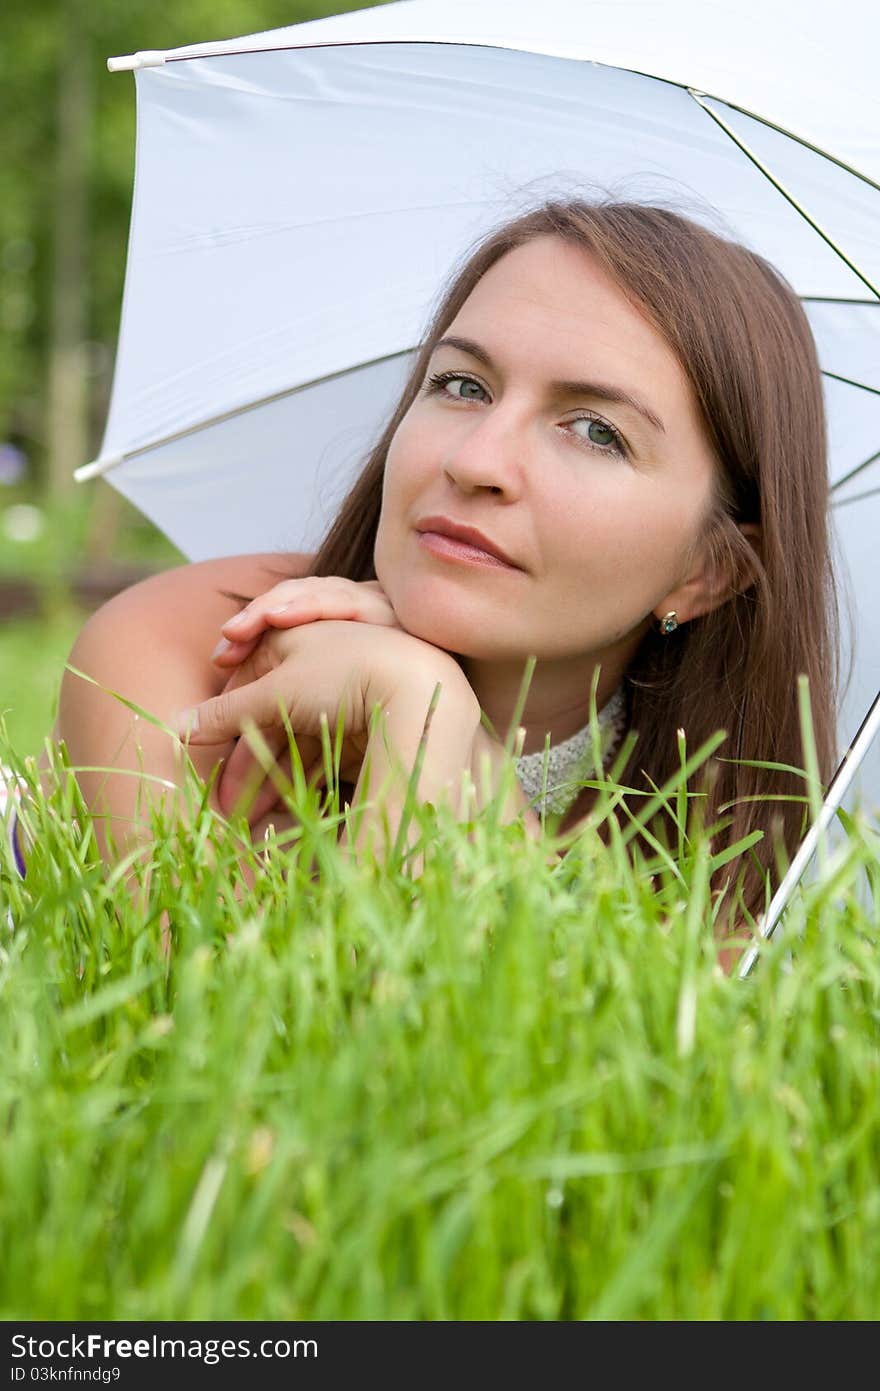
[[33, 652], [498, 1091]]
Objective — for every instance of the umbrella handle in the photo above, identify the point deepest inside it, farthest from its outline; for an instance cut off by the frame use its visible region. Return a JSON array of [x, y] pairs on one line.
[[837, 789]]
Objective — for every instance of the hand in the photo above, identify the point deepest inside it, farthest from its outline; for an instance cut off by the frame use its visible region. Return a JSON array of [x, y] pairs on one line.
[[327, 667], [304, 600], [289, 604]]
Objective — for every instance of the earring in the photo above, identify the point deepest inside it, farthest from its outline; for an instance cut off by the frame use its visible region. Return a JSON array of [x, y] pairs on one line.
[[669, 623]]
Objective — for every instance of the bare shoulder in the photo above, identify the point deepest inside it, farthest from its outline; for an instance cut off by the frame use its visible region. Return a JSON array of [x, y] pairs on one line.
[[204, 593], [179, 613], [245, 575], [151, 645]]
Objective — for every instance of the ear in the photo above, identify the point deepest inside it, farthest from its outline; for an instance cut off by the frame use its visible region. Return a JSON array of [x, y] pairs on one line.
[[706, 586]]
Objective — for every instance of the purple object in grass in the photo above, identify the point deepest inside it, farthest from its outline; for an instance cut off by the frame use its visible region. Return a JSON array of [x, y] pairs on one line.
[[10, 792], [17, 852], [13, 463], [11, 789]]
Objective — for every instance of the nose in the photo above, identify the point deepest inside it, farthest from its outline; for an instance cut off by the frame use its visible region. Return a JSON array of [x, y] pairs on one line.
[[488, 452]]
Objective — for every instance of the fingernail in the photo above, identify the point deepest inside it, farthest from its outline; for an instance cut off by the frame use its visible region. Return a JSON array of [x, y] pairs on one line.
[[233, 622], [222, 646], [187, 723], [282, 608]]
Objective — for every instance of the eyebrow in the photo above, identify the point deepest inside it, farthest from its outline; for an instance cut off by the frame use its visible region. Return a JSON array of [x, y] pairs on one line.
[[603, 391]]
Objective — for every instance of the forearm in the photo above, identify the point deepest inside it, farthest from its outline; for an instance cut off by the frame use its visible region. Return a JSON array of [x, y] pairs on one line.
[[413, 728], [460, 764], [492, 768]]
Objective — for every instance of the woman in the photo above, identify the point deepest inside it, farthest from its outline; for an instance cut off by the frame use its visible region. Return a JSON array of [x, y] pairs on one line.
[[627, 406]]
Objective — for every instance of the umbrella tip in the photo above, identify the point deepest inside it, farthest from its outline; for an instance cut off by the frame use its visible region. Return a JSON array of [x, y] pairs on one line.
[[147, 58], [96, 468]]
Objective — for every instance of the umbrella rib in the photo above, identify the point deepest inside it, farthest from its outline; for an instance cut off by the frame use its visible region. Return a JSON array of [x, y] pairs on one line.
[[807, 144], [858, 497], [861, 386], [837, 789], [838, 299], [100, 466], [848, 381], [838, 483], [780, 188]]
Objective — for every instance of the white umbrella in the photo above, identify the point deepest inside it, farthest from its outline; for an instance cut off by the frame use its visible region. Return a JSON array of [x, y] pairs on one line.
[[302, 194]]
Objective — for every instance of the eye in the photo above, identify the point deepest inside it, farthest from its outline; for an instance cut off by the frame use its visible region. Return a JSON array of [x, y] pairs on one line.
[[599, 434], [439, 383]]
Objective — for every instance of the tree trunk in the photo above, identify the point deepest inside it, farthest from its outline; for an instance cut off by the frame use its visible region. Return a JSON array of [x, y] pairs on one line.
[[67, 410]]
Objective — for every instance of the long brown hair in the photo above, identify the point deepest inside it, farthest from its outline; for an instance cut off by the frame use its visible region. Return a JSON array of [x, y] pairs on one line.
[[741, 335]]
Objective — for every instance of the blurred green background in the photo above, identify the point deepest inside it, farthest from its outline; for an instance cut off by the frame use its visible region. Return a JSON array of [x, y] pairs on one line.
[[67, 130]]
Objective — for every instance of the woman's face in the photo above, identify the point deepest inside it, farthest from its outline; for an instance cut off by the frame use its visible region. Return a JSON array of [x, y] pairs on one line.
[[562, 426]]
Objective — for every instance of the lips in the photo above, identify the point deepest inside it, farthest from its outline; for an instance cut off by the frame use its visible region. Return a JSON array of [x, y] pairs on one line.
[[467, 535], [461, 552]]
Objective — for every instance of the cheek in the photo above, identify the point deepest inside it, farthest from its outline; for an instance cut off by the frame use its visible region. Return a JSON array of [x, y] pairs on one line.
[[627, 543], [406, 464], [402, 488]]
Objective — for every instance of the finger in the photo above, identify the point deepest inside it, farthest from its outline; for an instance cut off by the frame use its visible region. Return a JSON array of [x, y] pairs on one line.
[[314, 609], [304, 608], [245, 786], [223, 717], [229, 654], [310, 599]]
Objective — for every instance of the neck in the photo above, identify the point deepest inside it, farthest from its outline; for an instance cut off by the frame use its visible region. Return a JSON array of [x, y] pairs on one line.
[[558, 701]]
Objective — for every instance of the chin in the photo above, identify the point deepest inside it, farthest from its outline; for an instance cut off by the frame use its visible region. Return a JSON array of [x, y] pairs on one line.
[[443, 635], [435, 614], [453, 638]]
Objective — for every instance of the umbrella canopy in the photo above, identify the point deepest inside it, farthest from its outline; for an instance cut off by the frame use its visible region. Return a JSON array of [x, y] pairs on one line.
[[302, 195]]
